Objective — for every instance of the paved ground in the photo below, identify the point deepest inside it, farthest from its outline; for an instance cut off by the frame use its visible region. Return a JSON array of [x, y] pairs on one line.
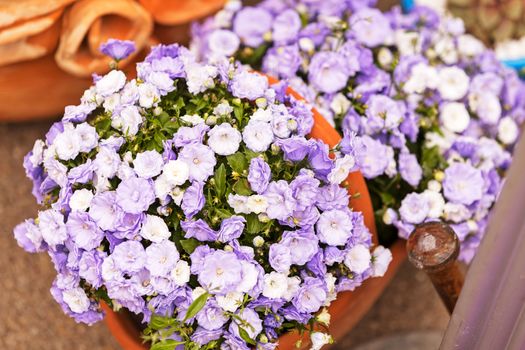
[[30, 319]]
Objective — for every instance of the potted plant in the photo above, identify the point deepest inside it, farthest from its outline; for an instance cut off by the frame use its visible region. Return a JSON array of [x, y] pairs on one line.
[[428, 112], [191, 196]]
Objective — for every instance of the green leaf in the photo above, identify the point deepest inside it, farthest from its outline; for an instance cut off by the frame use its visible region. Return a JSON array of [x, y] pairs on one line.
[[238, 111], [246, 337], [242, 187], [103, 125], [237, 162], [160, 322], [189, 245], [223, 213], [168, 344], [253, 225], [220, 180], [196, 306]]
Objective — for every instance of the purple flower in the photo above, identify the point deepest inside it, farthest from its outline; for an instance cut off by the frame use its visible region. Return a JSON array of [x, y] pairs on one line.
[[83, 231], [374, 161], [303, 245], [200, 159], [311, 296], [286, 27], [319, 159], [305, 189], [317, 32], [211, 317], [161, 258], [198, 257], [231, 228], [295, 148], [334, 227], [251, 23], [259, 175], [202, 336], [221, 272], [280, 257], [410, 169], [52, 227], [463, 183], [414, 208], [186, 135], [82, 173], [193, 199], [198, 229], [249, 85], [129, 256], [283, 61], [90, 267], [118, 49], [253, 323], [28, 236], [135, 195], [329, 72], [281, 202], [383, 113], [370, 27]]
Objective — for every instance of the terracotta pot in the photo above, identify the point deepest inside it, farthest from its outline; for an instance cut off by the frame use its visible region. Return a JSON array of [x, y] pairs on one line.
[[349, 307], [175, 12]]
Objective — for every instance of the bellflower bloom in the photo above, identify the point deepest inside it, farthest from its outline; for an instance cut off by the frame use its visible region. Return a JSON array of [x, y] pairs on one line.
[[118, 49]]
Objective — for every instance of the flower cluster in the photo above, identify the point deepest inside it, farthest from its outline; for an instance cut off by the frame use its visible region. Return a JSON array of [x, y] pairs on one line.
[[427, 111], [192, 195]]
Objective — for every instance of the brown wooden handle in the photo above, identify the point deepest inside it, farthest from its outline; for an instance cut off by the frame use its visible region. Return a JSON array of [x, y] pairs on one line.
[[434, 248]]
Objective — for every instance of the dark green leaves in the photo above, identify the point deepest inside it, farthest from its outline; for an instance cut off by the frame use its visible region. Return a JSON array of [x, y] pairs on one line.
[[189, 245], [242, 187], [196, 306], [220, 180], [160, 322], [246, 337], [253, 225], [237, 162]]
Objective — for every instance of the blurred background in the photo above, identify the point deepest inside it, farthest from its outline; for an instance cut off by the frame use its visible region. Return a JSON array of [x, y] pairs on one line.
[[48, 50]]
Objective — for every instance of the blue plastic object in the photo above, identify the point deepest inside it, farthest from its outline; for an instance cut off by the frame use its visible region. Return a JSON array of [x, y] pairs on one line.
[[408, 5]]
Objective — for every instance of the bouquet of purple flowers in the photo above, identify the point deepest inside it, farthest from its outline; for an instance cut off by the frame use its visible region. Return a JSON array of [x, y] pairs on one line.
[[191, 195], [428, 112]]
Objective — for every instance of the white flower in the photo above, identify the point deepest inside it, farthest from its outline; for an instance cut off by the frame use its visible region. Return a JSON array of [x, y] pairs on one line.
[[181, 273], [200, 77], [223, 42], [324, 317], [342, 168], [422, 76], [258, 241], [488, 108], [334, 227], [197, 292], [76, 299], [469, 46], [238, 203], [125, 171], [408, 43], [306, 45], [358, 258], [434, 185], [389, 216], [87, 136], [67, 144], [257, 204], [330, 281], [381, 258], [250, 277], [293, 286], [148, 95], [176, 172], [446, 50], [454, 117], [230, 302], [128, 121], [80, 200], [193, 119], [224, 139], [263, 115], [456, 212], [275, 285], [148, 164], [111, 102], [340, 104], [155, 229], [177, 194], [37, 154], [223, 109], [508, 131], [257, 135], [436, 203], [163, 186], [320, 339], [385, 57], [453, 83], [110, 83]]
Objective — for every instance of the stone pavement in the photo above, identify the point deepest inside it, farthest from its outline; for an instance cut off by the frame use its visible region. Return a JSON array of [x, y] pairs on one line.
[[30, 319]]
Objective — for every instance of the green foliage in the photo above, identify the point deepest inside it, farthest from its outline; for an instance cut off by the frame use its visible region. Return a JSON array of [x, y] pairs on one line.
[[237, 162], [196, 306], [189, 245], [220, 180]]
